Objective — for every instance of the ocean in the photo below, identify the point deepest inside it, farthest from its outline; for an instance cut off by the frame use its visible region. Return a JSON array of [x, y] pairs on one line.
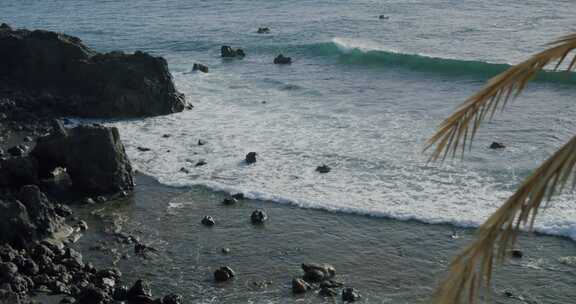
[[362, 95]]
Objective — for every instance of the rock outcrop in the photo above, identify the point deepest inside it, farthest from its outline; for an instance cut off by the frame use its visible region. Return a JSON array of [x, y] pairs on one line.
[[79, 81], [94, 157]]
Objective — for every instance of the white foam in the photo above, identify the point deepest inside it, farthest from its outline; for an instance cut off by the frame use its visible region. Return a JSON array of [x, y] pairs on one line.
[[377, 166]]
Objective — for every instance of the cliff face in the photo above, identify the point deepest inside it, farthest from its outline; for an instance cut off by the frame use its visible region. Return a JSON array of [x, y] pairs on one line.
[[83, 82]]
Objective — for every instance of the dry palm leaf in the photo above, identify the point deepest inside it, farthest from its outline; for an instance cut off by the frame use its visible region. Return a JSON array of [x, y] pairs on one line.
[[459, 129], [473, 267]]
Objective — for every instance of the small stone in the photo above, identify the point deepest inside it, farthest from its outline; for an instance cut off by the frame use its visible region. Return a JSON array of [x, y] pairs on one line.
[[201, 142], [143, 149], [323, 169], [258, 216], [184, 170], [229, 201], [263, 30], [225, 250], [516, 253], [166, 135], [200, 163], [251, 158], [208, 221], [383, 17], [200, 67], [497, 145], [223, 274], [350, 295], [300, 286]]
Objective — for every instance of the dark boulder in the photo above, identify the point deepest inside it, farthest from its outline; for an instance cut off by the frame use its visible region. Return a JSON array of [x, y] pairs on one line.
[[94, 157], [208, 221], [281, 59], [250, 158], [228, 52], [92, 84], [223, 274], [323, 169], [318, 272], [200, 163], [350, 295], [201, 142], [258, 216], [263, 30], [497, 145], [516, 253], [200, 67], [41, 211], [16, 228]]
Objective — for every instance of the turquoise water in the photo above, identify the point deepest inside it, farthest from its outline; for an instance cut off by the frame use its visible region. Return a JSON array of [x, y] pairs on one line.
[[362, 96]]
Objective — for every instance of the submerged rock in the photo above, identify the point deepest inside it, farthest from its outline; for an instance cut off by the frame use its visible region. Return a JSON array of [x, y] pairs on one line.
[[497, 145], [208, 221], [223, 274], [323, 169], [238, 196], [318, 272], [92, 84], [350, 295], [281, 59], [200, 67], [258, 216], [228, 52], [263, 30], [516, 253]]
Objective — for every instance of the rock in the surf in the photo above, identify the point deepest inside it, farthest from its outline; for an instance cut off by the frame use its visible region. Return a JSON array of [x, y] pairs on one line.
[[318, 272], [200, 67], [250, 158], [258, 216], [281, 59], [223, 274], [208, 221], [228, 52], [350, 294], [323, 169], [497, 145], [263, 30]]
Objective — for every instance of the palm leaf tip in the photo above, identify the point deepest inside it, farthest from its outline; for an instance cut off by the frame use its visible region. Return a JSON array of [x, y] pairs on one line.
[[472, 269], [458, 131]]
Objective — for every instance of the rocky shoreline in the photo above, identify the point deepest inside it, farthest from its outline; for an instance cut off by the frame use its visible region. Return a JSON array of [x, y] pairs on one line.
[[45, 166]]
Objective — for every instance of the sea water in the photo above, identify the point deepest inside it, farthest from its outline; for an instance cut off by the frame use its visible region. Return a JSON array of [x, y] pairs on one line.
[[362, 96]]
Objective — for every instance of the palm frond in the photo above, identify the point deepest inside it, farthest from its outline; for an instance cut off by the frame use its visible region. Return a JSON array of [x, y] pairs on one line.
[[472, 269], [458, 130]]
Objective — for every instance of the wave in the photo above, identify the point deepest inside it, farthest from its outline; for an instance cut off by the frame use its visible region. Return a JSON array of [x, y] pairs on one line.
[[356, 52]]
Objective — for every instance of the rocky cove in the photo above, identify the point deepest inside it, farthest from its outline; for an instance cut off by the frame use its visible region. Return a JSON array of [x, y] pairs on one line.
[[144, 236], [44, 167]]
